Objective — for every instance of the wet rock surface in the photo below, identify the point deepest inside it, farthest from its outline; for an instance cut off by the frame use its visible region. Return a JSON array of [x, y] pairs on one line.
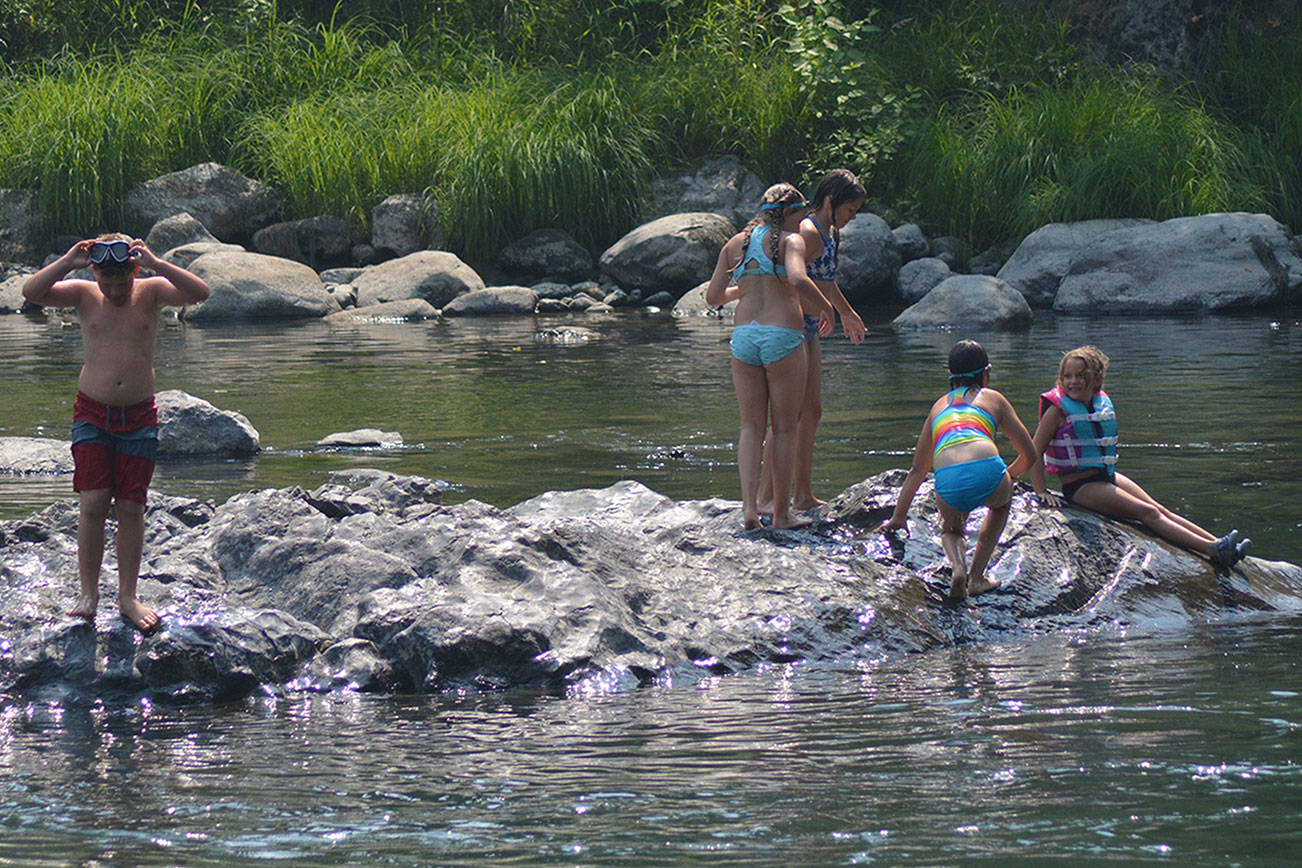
[[369, 582]]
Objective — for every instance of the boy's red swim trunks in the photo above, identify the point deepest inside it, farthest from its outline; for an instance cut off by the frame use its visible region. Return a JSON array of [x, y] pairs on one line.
[[114, 447]]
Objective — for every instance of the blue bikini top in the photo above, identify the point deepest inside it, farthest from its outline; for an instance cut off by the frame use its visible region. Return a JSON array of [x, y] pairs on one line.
[[824, 267], [756, 261]]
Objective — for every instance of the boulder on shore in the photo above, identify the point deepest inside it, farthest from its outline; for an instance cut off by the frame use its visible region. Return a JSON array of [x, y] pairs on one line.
[[1209, 263], [231, 205], [255, 286], [671, 254], [972, 301], [434, 275], [368, 582]]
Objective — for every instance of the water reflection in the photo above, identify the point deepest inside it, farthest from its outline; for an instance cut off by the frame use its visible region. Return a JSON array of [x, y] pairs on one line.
[[1082, 746]]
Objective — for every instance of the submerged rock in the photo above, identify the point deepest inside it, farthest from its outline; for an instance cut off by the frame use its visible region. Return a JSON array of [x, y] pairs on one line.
[[369, 582]]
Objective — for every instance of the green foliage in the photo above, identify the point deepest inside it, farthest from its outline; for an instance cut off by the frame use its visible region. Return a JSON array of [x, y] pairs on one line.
[[508, 155], [1104, 146]]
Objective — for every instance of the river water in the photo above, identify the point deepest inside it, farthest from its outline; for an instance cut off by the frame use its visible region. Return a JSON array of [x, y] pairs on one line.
[[1130, 744]]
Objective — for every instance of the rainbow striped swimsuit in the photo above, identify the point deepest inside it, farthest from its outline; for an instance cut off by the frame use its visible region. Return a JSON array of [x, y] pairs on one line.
[[960, 422]]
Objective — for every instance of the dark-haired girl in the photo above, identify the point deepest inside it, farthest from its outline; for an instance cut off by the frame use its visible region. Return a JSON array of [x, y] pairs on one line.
[[767, 261], [958, 441], [836, 202]]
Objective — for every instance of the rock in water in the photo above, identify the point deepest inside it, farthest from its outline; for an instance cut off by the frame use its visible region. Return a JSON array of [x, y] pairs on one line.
[[370, 582]]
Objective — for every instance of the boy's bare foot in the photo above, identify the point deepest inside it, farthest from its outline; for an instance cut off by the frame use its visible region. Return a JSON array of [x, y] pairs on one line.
[[85, 608], [765, 507], [980, 585], [793, 522], [808, 504], [750, 522], [139, 615]]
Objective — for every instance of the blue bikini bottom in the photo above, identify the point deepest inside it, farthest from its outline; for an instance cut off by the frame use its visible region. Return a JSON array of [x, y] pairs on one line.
[[755, 344], [966, 485]]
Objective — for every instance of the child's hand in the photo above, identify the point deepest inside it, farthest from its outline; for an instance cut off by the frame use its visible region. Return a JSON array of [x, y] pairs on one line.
[[78, 255], [852, 325], [141, 253], [1047, 500], [891, 526]]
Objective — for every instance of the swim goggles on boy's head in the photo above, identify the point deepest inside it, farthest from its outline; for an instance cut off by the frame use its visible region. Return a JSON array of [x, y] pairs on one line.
[[769, 206], [117, 250]]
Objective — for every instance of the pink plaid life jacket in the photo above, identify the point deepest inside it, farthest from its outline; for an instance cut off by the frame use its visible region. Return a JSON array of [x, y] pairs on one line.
[[1088, 437]]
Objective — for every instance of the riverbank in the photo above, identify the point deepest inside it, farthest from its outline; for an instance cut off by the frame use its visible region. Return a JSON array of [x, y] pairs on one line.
[[975, 120]]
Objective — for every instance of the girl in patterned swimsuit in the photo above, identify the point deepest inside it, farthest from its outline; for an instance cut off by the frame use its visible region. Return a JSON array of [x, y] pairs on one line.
[[767, 261], [958, 440]]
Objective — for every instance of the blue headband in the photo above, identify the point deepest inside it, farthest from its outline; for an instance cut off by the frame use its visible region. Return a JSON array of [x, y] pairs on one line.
[[771, 206]]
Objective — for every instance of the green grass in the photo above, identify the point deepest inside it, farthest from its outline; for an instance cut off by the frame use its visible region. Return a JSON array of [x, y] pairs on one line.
[[975, 118], [1106, 146]]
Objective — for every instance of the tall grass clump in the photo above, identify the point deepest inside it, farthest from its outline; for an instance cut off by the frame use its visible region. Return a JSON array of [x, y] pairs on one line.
[[84, 131], [1253, 79], [1106, 146], [518, 152]]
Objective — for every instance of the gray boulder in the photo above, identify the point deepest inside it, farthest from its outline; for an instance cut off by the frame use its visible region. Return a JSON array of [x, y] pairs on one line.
[[320, 242], [910, 240], [968, 301], [189, 426], [1208, 263], [360, 438], [178, 230], [35, 455], [187, 253], [1038, 265], [231, 205], [518, 300], [550, 253], [370, 580], [11, 294], [951, 250], [254, 286], [23, 228], [406, 222], [404, 310], [671, 254], [721, 185], [693, 304], [434, 275], [921, 276], [869, 259]]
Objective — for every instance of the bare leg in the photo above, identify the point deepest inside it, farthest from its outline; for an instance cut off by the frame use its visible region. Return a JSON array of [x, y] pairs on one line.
[[811, 411], [90, 550], [786, 380], [753, 404], [991, 528], [953, 541], [1132, 487], [1117, 501], [130, 542], [766, 479]]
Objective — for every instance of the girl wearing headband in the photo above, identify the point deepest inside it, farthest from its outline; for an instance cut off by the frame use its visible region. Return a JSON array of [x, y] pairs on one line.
[[767, 262]]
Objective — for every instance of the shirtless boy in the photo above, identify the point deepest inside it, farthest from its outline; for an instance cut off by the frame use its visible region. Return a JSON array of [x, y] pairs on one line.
[[115, 420]]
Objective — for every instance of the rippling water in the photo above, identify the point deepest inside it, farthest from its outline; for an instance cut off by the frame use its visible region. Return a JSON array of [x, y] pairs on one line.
[[1102, 746], [1175, 746]]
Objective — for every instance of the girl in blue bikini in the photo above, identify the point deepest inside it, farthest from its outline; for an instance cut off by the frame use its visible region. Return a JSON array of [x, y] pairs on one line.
[[958, 440], [767, 261]]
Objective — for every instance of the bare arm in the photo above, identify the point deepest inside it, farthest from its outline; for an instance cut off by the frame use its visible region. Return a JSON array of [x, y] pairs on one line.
[[716, 293], [793, 257], [851, 322], [917, 473], [44, 287], [179, 286]]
